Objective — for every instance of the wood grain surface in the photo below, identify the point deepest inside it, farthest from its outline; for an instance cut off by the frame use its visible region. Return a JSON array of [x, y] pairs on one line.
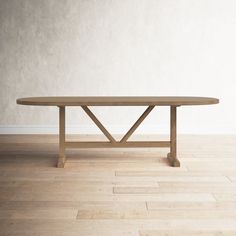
[[117, 192]]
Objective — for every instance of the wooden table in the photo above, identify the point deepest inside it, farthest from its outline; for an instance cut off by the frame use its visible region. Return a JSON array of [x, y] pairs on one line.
[[150, 102]]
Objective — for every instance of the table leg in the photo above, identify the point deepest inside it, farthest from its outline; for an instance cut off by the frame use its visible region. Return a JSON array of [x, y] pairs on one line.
[[173, 149], [61, 158]]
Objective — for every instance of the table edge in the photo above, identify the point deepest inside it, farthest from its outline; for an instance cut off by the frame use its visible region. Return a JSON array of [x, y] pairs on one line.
[[211, 101]]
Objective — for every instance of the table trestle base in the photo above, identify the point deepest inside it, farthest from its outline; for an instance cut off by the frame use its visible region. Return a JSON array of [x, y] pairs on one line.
[[123, 142]]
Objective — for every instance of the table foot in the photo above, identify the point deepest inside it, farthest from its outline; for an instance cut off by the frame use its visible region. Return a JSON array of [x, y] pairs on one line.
[[61, 162], [173, 161]]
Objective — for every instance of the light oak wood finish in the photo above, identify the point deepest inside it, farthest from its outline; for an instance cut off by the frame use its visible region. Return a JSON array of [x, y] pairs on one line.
[[130, 144], [99, 124], [117, 101], [136, 124], [173, 152], [151, 102], [187, 233], [117, 192], [62, 137]]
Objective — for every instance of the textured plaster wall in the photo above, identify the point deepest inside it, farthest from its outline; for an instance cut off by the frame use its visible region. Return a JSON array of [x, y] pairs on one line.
[[118, 47]]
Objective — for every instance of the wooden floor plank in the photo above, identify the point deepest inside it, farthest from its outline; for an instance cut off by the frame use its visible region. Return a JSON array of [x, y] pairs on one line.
[[218, 205], [171, 172], [38, 213], [187, 233], [110, 227], [176, 187], [222, 179]]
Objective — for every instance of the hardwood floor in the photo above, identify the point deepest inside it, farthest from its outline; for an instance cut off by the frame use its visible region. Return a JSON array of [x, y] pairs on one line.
[[117, 192]]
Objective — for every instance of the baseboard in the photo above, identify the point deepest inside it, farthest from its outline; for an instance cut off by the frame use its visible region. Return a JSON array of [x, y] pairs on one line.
[[114, 129], [70, 129]]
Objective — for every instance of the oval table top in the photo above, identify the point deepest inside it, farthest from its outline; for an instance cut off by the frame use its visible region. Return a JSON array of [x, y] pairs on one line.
[[116, 101]]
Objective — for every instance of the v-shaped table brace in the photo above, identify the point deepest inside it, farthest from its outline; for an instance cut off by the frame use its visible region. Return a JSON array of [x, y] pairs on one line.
[[112, 143], [99, 124]]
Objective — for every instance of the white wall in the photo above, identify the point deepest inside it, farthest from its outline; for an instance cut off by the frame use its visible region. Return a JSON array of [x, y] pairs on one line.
[[118, 47]]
